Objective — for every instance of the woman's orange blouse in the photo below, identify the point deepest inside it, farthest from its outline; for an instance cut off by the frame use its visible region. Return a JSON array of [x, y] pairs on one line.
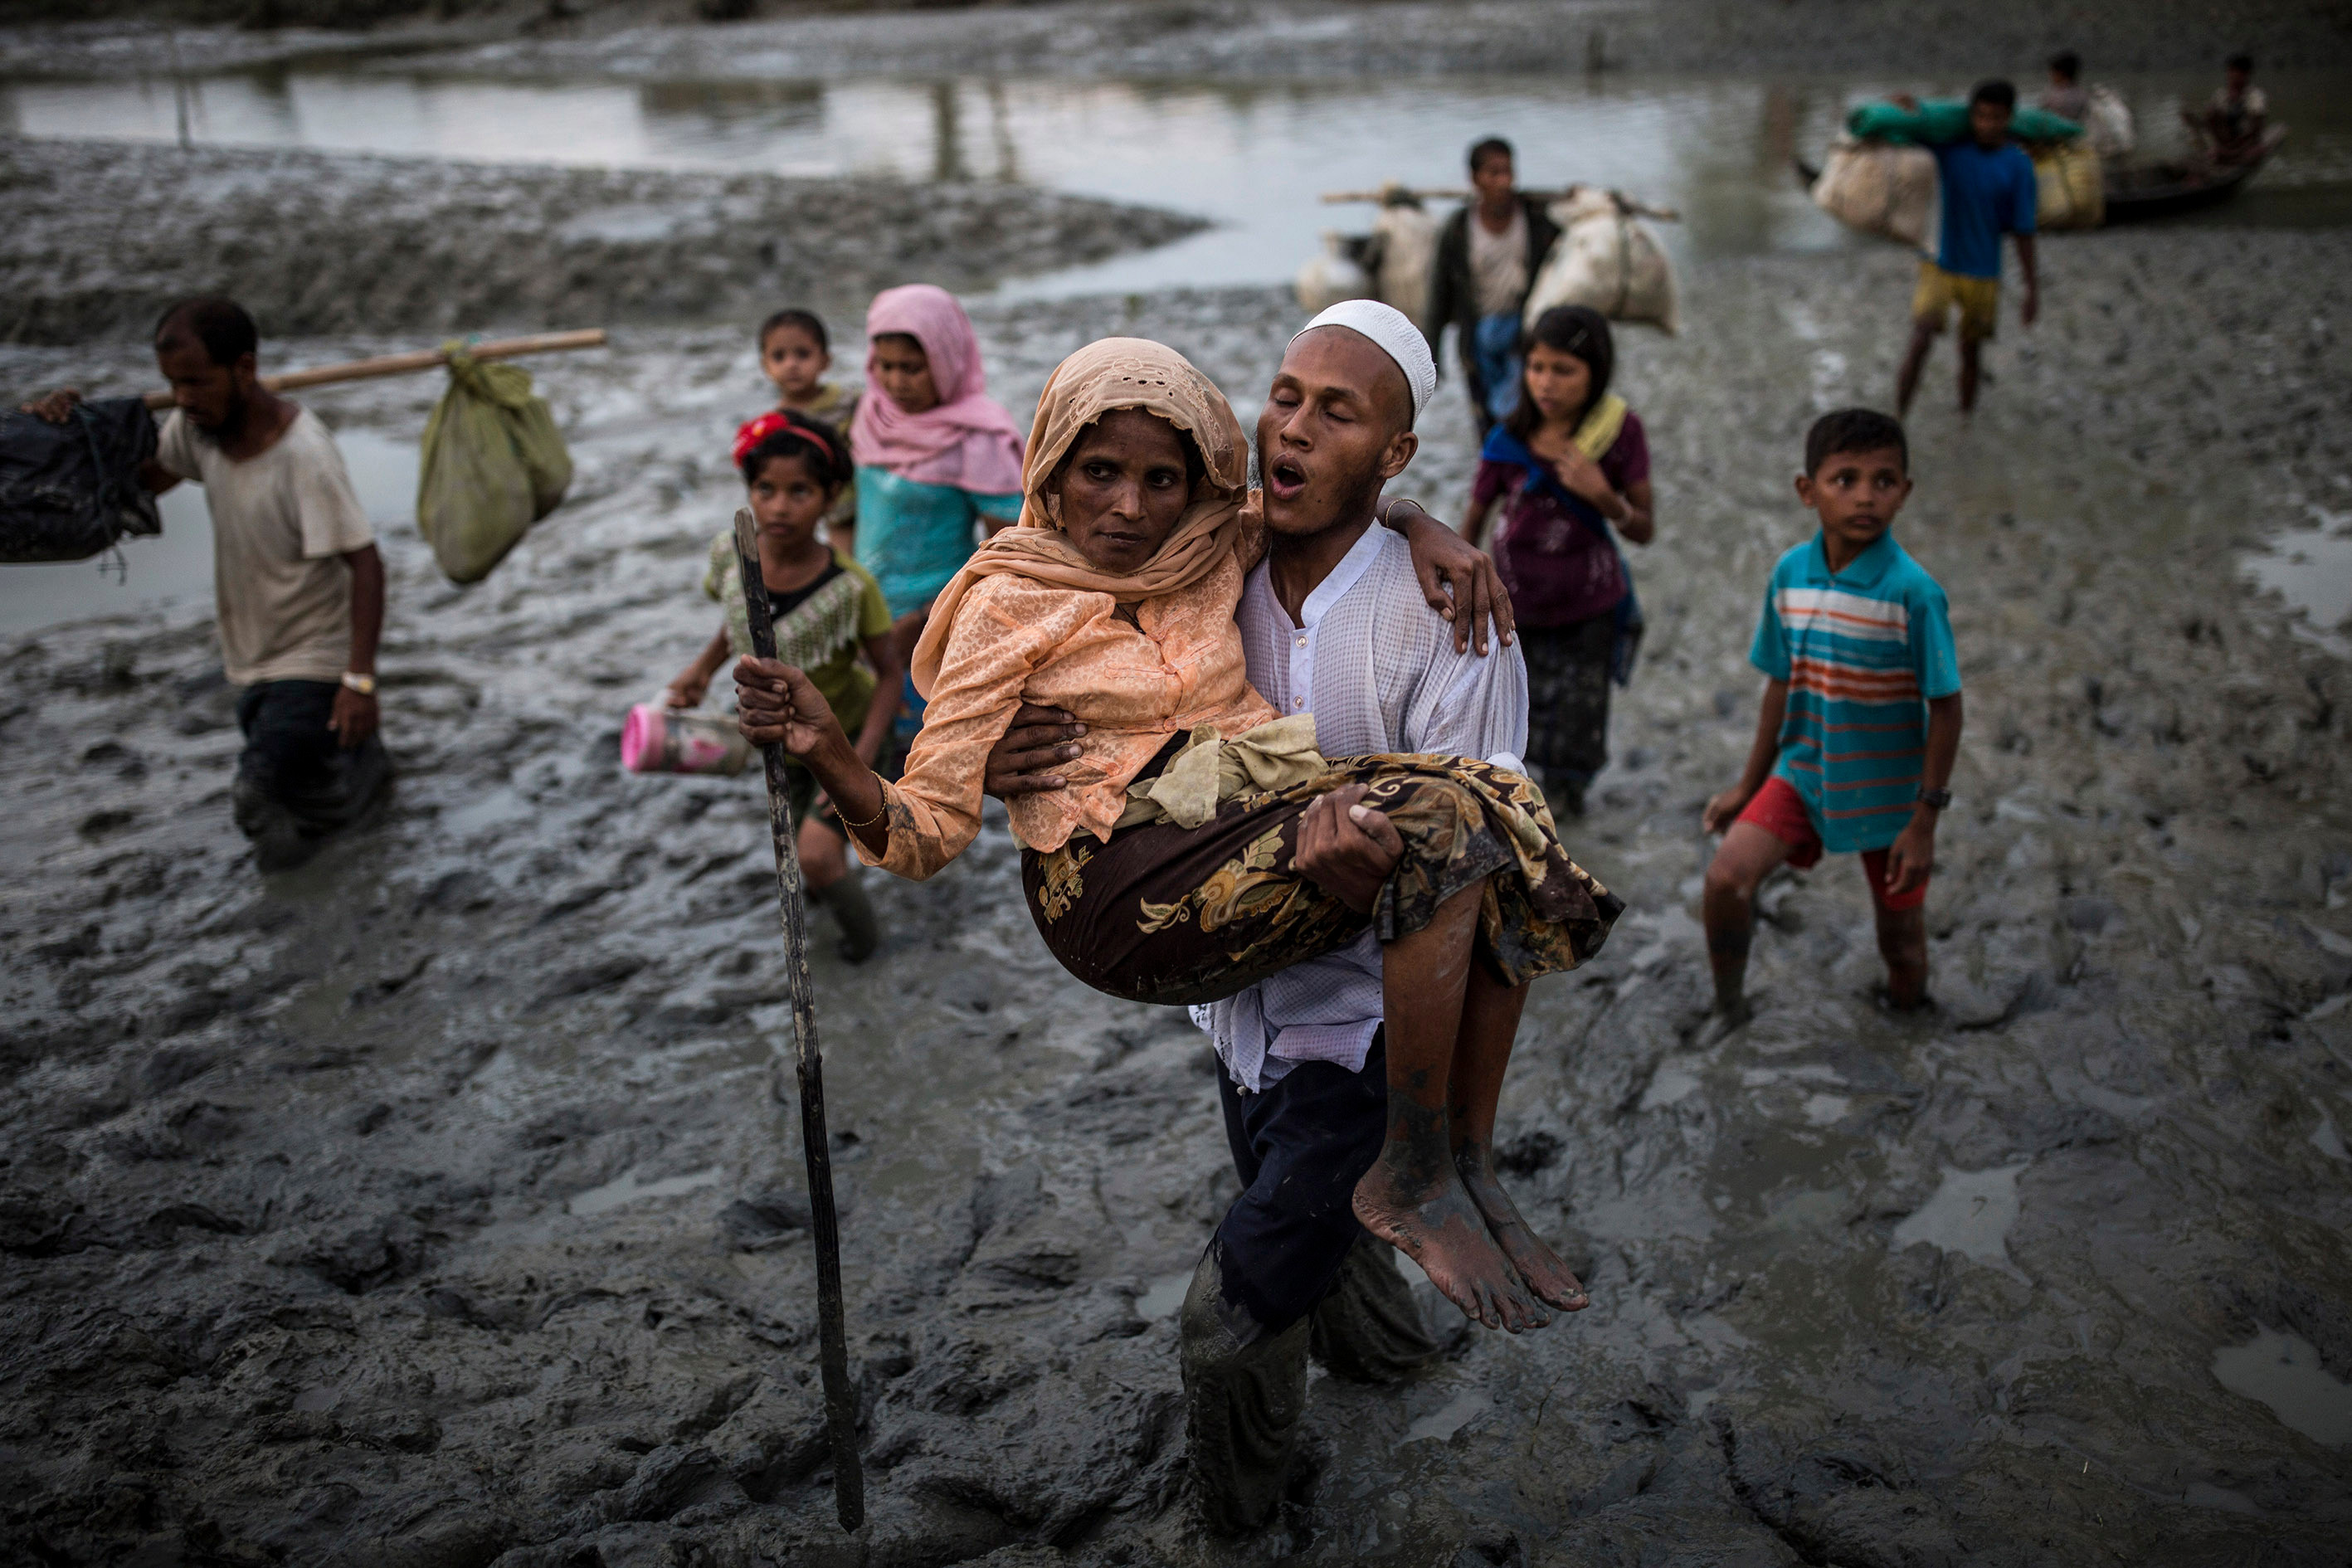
[[1176, 665]]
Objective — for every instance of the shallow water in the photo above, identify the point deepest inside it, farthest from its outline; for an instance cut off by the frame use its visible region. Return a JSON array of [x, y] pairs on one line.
[[2311, 568], [175, 565], [2283, 1370], [1252, 156]]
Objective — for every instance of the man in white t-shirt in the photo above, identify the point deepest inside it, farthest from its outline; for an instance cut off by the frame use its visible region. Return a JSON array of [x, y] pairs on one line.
[[297, 584]]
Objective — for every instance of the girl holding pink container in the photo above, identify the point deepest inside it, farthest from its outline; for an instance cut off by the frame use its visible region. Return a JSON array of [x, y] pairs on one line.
[[830, 620]]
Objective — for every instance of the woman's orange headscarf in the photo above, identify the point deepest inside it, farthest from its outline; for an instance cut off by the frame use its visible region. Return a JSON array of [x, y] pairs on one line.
[[1116, 373]]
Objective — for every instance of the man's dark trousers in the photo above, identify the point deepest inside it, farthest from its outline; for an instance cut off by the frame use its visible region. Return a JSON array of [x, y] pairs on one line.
[[1290, 1273], [296, 781]]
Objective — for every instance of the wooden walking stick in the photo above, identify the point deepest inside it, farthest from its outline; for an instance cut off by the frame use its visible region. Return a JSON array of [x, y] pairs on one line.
[[840, 1393]]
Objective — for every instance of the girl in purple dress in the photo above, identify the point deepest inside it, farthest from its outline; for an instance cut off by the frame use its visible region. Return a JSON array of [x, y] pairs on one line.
[[1570, 469]]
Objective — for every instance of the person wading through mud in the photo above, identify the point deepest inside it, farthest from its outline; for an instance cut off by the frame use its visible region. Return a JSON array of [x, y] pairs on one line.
[[1989, 190], [297, 584], [1331, 623], [1488, 258]]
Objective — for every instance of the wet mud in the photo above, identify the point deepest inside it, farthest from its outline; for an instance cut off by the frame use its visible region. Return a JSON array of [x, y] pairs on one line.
[[103, 236], [436, 1204]]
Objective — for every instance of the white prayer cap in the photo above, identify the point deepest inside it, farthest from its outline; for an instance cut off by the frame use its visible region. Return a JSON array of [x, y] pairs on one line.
[[1393, 332]]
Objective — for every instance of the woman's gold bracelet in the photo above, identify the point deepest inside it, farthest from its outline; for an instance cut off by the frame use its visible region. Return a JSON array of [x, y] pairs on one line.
[[880, 813]]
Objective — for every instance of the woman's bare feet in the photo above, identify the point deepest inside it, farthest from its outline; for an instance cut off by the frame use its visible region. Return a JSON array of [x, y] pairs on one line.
[[1430, 1219], [1540, 1267]]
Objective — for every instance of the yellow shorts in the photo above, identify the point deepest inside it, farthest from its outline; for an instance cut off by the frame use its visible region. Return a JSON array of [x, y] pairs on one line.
[[1977, 297]]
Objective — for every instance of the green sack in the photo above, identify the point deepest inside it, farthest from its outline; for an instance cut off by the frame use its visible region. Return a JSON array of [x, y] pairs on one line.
[[493, 465], [1940, 121]]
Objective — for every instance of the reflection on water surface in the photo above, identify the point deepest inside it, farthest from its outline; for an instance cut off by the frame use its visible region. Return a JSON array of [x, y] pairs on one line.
[[1251, 155]]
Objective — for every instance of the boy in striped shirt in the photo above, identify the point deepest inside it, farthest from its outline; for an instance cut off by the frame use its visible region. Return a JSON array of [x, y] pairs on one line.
[[1862, 714]]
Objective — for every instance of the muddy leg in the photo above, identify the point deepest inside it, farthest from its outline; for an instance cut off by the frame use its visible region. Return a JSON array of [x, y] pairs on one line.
[[1971, 365], [1746, 856], [1245, 1397], [1914, 359], [1411, 1198], [1903, 942], [1490, 1023]]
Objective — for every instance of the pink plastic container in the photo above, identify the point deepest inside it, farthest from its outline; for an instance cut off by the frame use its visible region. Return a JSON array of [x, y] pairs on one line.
[[660, 740]]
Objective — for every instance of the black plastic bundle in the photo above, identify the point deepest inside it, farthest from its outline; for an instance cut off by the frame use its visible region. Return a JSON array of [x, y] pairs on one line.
[[69, 492]]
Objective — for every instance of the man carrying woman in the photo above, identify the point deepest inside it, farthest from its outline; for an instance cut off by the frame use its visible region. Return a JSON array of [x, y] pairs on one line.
[[1169, 870]]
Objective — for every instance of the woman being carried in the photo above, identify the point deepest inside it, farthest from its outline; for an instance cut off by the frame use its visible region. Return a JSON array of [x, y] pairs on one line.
[[1568, 462], [1165, 872]]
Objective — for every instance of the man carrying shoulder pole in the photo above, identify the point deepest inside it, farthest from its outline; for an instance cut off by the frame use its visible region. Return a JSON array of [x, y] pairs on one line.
[[297, 584], [1488, 258]]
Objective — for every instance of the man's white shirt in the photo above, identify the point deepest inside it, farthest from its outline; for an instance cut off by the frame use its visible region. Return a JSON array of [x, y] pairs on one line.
[[1377, 667]]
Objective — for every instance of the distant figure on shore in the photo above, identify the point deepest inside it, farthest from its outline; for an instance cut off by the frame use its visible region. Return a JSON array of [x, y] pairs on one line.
[[1488, 258], [2066, 97], [795, 353], [1570, 463], [828, 611], [1861, 718], [1989, 190], [298, 584], [2236, 117]]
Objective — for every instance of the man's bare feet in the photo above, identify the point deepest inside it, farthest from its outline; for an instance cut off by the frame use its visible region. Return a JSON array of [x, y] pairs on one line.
[[1432, 1221], [1538, 1267]]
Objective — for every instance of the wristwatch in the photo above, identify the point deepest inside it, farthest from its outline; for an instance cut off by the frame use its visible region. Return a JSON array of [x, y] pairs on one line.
[[1936, 798], [362, 684]]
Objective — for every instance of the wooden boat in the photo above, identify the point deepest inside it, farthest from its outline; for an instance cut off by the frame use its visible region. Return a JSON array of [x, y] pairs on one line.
[[2140, 192]]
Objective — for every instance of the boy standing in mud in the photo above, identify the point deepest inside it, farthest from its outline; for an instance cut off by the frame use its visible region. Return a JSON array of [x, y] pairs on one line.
[[1989, 190], [1861, 718]]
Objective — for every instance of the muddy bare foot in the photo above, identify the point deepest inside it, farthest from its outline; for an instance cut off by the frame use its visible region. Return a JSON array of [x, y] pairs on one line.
[[1728, 1019], [1435, 1224], [1538, 1267]]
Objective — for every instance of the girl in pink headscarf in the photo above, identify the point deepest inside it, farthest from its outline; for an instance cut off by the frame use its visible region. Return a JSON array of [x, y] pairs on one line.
[[935, 454]]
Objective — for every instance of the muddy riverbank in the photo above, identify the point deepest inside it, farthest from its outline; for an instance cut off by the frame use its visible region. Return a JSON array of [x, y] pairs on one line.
[[102, 236], [430, 1206], [1237, 37]]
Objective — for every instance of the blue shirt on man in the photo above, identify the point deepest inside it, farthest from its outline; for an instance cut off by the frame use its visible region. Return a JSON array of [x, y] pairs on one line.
[[1862, 652], [1987, 192]]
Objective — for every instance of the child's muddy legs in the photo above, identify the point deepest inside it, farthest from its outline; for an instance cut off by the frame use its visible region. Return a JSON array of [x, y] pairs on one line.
[[1411, 1197], [1903, 943], [1746, 856], [825, 858], [1971, 368], [1914, 360], [1490, 1023]]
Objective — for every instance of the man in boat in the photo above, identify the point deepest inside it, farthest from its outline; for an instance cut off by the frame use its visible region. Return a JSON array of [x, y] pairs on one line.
[[2066, 97], [1334, 624], [2236, 117], [1989, 190], [296, 582], [1488, 258]]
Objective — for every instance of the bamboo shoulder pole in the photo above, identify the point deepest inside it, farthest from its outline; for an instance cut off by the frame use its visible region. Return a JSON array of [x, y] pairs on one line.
[[409, 363], [833, 1344], [1639, 209]]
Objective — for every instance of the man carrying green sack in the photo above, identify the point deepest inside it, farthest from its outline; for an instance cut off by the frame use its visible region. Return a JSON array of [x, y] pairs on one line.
[[493, 465], [1989, 190], [296, 582]]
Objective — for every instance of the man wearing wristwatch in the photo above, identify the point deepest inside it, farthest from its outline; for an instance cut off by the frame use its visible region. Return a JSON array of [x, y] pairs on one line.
[[298, 584]]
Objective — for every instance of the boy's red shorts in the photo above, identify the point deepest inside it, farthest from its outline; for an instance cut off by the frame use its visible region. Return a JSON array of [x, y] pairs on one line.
[[1780, 811]]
